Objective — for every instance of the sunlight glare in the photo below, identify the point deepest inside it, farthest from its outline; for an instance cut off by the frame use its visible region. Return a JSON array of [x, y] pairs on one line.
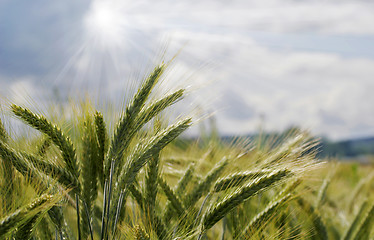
[[106, 23]]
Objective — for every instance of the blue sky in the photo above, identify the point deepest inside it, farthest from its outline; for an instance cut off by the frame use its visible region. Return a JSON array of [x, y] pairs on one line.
[[276, 63]]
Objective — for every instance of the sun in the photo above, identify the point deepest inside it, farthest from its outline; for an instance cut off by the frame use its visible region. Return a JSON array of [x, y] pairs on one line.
[[105, 23]]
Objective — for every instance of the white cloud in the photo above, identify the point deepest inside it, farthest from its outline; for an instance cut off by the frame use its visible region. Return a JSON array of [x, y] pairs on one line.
[[324, 92], [243, 81], [331, 17]]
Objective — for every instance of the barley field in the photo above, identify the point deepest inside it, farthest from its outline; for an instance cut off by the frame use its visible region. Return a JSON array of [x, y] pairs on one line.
[[92, 175]]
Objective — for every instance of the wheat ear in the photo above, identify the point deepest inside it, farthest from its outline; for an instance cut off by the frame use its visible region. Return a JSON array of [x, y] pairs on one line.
[[62, 142], [240, 195]]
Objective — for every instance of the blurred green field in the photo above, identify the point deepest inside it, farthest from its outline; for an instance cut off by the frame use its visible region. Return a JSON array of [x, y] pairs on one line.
[[86, 174]]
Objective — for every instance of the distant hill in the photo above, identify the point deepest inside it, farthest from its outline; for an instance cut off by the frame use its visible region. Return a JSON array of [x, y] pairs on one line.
[[347, 148]]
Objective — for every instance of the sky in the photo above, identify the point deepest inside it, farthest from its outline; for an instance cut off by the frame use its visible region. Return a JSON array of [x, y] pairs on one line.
[[254, 64]]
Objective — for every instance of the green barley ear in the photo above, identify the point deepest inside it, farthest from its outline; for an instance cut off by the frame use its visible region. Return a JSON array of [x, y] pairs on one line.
[[122, 136], [140, 234], [365, 228], [179, 190], [240, 195], [357, 221], [319, 225], [7, 173], [56, 172], [137, 195], [173, 199], [3, 133], [44, 147], [322, 191], [183, 182], [237, 179], [143, 153], [57, 217], [152, 174], [89, 170], [23, 219], [7, 154], [148, 113], [204, 186], [102, 144], [25, 231], [292, 148], [260, 220], [45, 232], [62, 142]]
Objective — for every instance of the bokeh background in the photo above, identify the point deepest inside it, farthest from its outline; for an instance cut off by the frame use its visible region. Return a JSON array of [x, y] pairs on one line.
[[270, 64]]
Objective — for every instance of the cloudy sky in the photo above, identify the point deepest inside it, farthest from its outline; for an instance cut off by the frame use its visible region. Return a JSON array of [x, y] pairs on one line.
[[271, 63]]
